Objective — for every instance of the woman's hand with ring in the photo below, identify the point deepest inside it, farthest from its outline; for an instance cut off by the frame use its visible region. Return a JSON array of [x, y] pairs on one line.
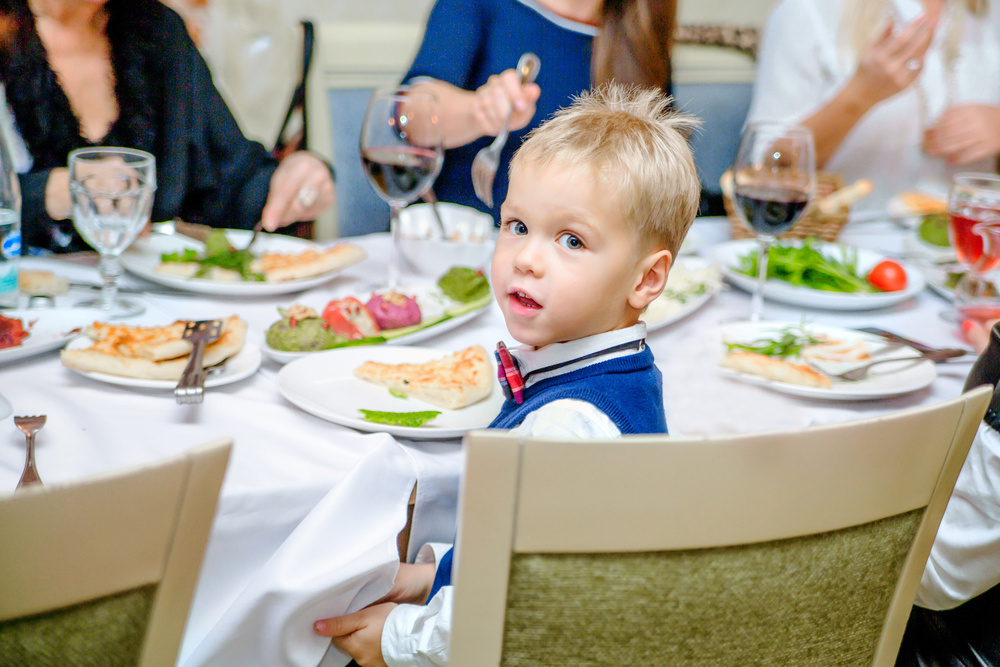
[[301, 188], [894, 61]]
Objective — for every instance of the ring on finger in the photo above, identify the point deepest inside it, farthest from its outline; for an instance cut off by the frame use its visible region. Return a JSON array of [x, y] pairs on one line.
[[913, 64], [307, 195]]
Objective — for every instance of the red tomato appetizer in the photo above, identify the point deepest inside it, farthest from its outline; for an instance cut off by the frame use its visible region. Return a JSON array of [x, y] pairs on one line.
[[349, 317], [888, 276], [12, 332]]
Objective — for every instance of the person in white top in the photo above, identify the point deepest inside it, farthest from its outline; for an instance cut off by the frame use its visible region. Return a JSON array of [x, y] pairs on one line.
[[600, 198], [954, 621], [901, 92]]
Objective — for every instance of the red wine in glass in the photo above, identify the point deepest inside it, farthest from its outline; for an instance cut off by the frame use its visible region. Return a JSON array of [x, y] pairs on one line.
[[400, 172], [771, 210], [969, 244]]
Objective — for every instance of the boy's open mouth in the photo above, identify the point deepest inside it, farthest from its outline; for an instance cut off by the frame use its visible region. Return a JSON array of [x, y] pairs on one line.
[[525, 300]]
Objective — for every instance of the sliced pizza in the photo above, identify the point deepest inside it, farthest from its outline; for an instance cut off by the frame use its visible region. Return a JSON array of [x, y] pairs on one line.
[[149, 353], [452, 382]]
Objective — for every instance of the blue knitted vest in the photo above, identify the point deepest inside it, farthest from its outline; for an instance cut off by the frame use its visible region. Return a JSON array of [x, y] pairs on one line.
[[629, 390]]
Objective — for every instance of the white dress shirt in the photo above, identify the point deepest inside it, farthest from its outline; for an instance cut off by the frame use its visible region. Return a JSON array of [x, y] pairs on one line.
[[965, 557]]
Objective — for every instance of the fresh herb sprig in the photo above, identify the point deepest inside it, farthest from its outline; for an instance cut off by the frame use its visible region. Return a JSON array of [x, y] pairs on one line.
[[411, 419], [805, 265], [218, 253], [788, 342]]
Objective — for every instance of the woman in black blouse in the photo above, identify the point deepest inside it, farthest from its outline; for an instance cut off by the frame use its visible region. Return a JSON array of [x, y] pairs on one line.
[[81, 73]]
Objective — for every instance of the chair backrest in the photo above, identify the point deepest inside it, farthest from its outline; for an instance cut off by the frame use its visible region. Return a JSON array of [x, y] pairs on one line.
[[713, 80], [781, 548], [103, 571], [350, 60]]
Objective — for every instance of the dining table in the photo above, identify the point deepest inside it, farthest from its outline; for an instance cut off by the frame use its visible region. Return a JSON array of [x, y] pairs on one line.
[[310, 511]]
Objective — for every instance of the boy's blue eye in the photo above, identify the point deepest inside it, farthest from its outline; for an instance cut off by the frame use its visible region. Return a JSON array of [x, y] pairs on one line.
[[517, 227], [571, 242]]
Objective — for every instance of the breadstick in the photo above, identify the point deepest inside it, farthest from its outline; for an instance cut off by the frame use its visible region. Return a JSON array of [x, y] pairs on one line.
[[845, 197]]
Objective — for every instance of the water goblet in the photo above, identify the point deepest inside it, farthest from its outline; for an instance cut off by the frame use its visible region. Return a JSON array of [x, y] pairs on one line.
[[401, 152], [111, 190], [773, 180], [974, 232]]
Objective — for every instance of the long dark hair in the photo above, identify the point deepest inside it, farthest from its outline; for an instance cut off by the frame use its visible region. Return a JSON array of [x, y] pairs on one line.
[[634, 43], [41, 109]]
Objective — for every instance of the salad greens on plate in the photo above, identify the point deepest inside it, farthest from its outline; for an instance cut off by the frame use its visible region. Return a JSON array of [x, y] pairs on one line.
[[806, 266], [218, 253]]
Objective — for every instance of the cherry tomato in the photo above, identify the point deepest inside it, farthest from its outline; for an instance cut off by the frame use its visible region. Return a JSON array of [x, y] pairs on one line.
[[888, 276]]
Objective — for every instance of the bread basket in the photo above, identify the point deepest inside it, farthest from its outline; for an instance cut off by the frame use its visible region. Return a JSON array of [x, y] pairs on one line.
[[819, 222]]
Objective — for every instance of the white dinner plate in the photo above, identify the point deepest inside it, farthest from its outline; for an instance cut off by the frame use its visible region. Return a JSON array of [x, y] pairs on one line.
[[727, 255], [324, 384], [238, 367], [143, 256], [432, 302], [50, 328], [691, 284], [883, 381], [6, 409]]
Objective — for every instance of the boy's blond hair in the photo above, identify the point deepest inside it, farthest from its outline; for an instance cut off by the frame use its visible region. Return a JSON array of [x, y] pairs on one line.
[[635, 144]]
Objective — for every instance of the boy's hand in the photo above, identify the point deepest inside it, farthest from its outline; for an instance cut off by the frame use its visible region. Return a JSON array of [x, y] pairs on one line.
[[358, 634], [412, 585]]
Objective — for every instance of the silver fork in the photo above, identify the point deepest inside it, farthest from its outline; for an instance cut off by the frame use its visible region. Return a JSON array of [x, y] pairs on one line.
[[191, 387], [861, 372], [29, 426], [484, 166]]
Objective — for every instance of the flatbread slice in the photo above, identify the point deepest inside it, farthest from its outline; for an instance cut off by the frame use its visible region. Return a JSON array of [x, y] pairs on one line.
[[281, 267], [778, 370], [114, 354], [276, 267], [452, 382]]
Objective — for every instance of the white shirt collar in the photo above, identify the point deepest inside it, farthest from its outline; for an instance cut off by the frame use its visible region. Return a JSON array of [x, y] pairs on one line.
[[529, 359]]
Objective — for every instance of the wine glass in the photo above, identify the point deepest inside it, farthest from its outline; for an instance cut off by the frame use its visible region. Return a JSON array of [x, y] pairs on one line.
[[401, 152], [974, 232], [773, 179], [112, 195]]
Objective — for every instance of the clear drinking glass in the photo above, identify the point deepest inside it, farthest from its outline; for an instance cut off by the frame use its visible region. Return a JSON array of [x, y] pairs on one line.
[[773, 180], [974, 232], [401, 152], [112, 195]]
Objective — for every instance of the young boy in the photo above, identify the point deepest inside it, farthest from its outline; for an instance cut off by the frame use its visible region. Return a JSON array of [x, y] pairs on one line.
[[600, 198]]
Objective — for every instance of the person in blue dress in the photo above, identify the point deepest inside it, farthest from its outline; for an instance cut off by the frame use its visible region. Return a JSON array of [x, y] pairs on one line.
[[470, 49]]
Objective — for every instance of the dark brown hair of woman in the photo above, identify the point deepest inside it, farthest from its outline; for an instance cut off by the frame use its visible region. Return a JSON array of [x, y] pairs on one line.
[[634, 43]]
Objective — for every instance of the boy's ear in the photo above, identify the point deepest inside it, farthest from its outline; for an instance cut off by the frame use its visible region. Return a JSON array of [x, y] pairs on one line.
[[652, 280]]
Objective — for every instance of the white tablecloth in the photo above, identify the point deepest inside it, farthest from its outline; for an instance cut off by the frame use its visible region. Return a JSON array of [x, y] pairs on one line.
[[309, 511]]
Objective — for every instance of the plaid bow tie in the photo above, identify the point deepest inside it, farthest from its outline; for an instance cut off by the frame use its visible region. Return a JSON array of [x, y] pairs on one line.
[[510, 377]]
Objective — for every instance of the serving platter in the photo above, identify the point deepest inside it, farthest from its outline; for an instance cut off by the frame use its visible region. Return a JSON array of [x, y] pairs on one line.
[[238, 367], [143, 256], [692, 283], [727, 256], [443, 313], [883, 381], [50, 329], [324, 385]]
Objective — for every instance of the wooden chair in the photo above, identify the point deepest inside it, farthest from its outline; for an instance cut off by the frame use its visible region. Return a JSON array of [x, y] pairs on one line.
[[102, 572], [350, 60], [783, 548]]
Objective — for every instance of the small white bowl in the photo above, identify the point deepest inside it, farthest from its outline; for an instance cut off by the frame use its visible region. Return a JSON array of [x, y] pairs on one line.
[[468, 240]]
